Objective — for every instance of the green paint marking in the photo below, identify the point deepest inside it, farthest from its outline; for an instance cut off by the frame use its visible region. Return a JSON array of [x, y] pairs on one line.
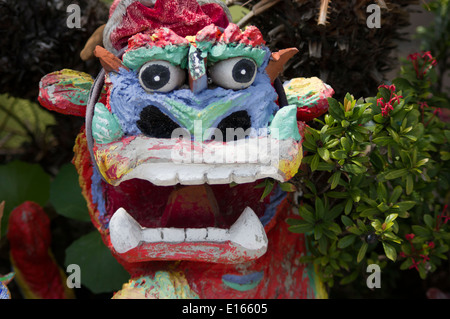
[[187, 115], [241, 287], [166, 286], [285, 121], [310, 99], [105, 125], [177, 55], [225, 51]]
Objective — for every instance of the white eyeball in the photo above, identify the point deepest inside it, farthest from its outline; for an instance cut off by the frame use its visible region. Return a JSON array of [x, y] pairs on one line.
[[234, 73], [161, 76]]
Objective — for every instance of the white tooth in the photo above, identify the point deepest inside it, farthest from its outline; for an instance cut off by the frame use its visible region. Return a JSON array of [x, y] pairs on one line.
[[242, 174], [152, 235], [195, 234], [248, 231], [173, 235], [191, 175], [217, 234], [125, 232], [219, 175], [163, 176]]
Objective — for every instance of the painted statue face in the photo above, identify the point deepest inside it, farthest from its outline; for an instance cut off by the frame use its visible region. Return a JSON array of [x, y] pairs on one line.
[[189, 135], [189, 130]]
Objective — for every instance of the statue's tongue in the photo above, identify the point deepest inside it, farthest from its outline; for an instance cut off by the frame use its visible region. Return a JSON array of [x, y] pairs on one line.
[[191, 207]]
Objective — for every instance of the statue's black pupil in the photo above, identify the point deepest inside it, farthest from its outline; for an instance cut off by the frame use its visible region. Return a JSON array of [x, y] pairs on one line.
[[155, 76], [243, 71]]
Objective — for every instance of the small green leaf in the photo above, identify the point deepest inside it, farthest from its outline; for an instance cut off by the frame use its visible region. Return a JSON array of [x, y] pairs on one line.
[[346, 221], [354, 169], [362, 252], [301, 227], [335, 110], [429, 221], [376, 224], [334, 179], [346, 144], [317, 232], [370, 212], [383, 140], [320, 209], [325, 166], [354, 230], [331, 143], [323, 243], [348, 206], [334, 212], [405, 205], [395, 194], [350, 278], [409, 184], [268, 189], [311, 186], [334, 194], [288, 187], [307, 215], [393, 174], [382, 207], [335, 229], [390, 251], [421, 231], [346, 241], [323, 153], [390, 218], [262, 184], [445, 156], [422, 162], [382, 192], [315, 162]]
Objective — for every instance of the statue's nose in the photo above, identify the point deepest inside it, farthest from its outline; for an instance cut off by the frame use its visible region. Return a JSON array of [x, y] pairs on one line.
[[198, 80]]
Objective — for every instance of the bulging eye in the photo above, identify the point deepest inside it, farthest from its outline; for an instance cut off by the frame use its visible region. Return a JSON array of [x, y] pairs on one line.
[[161, 76], [235, 73]]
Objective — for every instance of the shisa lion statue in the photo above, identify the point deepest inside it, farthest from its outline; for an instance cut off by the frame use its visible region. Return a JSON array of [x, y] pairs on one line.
[[185, 122]]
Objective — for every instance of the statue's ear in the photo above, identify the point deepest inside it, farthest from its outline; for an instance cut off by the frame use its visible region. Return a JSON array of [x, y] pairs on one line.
[[277, 62], [310, 95], [65, 91], [109, 61]]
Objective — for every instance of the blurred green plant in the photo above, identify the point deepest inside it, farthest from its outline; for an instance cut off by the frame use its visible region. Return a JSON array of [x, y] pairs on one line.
[[21, 181], [436, 38], [375, 181], [23, 122]]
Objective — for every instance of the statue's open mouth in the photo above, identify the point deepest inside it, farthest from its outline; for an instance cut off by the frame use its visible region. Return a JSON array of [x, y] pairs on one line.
[[162, 208]]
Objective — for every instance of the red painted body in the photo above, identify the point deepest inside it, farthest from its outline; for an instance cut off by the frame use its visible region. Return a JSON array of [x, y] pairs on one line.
[[29, 236]]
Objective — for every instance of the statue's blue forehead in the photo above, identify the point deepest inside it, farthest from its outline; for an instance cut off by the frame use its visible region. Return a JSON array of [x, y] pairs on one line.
[[128, 99]]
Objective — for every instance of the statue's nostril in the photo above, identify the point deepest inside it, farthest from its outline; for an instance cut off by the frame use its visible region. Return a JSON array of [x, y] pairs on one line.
[[235, 126], [154, 123]]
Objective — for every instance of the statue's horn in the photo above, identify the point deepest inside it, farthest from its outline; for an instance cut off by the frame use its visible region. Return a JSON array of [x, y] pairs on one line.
[[277, 62], [109, 61], [95, 39]]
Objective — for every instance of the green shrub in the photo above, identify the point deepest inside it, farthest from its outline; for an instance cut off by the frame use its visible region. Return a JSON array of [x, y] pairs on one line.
[[375, 180]]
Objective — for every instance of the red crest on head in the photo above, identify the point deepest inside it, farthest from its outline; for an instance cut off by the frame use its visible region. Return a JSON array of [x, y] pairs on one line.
[[184, 17]]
